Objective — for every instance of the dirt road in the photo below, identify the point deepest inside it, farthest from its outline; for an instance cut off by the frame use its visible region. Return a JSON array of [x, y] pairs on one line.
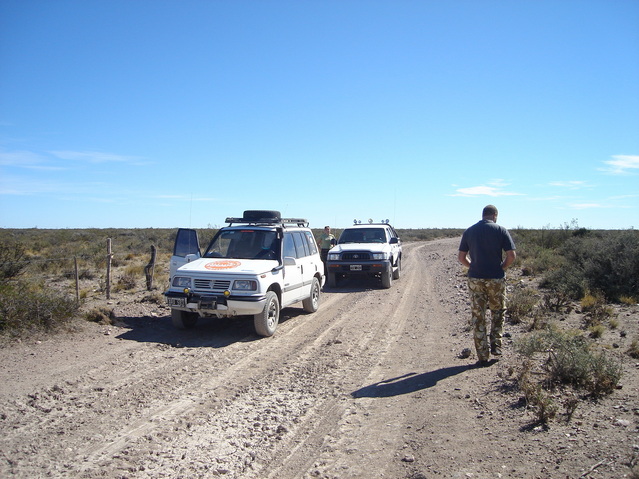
[[370, 386]]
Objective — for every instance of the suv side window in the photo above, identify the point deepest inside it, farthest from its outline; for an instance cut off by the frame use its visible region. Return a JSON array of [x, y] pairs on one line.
[[300, 244], [312, 246], [289, 246]]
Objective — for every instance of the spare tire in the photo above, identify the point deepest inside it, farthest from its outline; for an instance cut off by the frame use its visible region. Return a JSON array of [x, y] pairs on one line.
[[255, 215]]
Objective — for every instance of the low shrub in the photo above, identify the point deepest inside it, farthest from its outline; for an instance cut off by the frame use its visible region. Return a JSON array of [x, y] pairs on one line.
[[13, 261], [126, 282], [99, 315], [596, 330], [535, 395], [521, 304], [571, 361], [607, 262], [596, 309], [25, 307]]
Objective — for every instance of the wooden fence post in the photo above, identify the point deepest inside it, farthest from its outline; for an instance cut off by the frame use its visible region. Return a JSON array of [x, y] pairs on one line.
[[108, 275], [149, 268], [77, 280]]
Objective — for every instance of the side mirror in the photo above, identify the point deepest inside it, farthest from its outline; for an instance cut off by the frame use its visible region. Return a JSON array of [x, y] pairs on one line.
[[394, 240]]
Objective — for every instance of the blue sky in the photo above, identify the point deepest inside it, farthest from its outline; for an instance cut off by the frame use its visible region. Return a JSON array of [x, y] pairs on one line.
[[181, 113]]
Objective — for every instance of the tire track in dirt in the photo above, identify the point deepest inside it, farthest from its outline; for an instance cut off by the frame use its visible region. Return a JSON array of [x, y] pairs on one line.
[[310, 339], [234, 405], [365, 430], [317, 435]]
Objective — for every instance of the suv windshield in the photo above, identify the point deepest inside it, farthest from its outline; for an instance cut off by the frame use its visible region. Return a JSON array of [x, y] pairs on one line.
[[244, 244], [363, 235]]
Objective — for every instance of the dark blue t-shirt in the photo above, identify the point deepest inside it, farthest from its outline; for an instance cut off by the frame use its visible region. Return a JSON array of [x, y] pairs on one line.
[[486, 240]]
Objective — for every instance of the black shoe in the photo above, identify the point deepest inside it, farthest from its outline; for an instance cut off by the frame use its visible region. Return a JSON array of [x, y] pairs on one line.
[[483, 364], [495, 350]]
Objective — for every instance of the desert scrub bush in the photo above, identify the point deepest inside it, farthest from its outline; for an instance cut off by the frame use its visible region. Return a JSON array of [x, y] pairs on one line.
[[136, 269], [13, 260], [156, 297], [25, 307], [596, 311], [99, 315], [535, 395], [566, 281], [596, 330], [571, 360], [555, 301], [537, 259], [629, 300], [607, 261], [126, 282], [521, 303], [633, 349]]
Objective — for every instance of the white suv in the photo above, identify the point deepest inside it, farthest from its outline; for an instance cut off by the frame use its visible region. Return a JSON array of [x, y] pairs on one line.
[[255, 266], [372, 249]]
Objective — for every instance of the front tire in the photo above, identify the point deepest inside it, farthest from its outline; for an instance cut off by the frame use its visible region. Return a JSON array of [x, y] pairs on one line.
[[397, 273], [331, 280], [183, 319], [311, 304], [387, 277], [266, 322]]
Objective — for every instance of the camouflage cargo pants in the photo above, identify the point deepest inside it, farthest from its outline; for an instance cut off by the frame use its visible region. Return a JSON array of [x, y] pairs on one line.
[[487, 294]]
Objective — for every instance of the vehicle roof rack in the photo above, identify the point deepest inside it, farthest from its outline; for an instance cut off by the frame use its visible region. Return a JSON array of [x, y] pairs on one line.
[[301, 222], [357, 222]]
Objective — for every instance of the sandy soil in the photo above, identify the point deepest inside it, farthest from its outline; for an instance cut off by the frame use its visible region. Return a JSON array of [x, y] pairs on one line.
[[370, 386]]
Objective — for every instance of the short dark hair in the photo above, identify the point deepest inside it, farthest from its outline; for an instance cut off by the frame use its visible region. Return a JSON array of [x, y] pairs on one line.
[[489, 210]]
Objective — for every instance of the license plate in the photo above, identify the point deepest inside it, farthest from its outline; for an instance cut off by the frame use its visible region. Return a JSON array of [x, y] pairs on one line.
[[177, 302], [356, 267]]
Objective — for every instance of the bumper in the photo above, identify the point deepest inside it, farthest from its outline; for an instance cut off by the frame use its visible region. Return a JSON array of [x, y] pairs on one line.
[[215, 305], [361, 267]]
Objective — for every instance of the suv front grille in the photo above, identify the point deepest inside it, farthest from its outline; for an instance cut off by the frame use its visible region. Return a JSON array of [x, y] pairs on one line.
[[212, 285], [356, 256]]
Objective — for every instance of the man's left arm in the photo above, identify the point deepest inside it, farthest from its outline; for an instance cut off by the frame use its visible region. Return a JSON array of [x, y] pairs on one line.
[[510, 259]]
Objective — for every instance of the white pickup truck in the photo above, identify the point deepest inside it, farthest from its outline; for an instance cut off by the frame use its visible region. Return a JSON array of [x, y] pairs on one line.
[[256, 265], [372, 249]]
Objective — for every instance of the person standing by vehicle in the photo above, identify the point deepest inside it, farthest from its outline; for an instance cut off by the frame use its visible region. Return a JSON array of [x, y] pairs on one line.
[[481, 251], [325, 243]]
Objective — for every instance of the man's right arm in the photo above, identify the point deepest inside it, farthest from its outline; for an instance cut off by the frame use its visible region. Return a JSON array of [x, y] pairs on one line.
[[462, 257]]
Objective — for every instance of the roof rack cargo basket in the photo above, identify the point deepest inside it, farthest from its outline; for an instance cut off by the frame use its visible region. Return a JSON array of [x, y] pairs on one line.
[[266, 217]]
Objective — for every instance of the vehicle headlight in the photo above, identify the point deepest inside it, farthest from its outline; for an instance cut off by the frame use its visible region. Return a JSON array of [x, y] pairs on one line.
[[245, 285], [333, 256], [378, 256], [181, 282]]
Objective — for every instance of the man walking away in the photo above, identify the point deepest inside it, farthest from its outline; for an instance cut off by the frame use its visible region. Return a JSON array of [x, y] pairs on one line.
[[481, 251]]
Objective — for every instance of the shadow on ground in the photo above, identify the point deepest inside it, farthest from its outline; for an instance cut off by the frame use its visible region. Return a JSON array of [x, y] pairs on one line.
[[207, 333], [408, 383]]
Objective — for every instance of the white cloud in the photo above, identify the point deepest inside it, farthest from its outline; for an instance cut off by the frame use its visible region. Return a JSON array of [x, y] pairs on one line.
[[93, 156], [621, 164], [570, 184], [184, 198], [26, 159], [623, 197], [586, 206], [494, 189]]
